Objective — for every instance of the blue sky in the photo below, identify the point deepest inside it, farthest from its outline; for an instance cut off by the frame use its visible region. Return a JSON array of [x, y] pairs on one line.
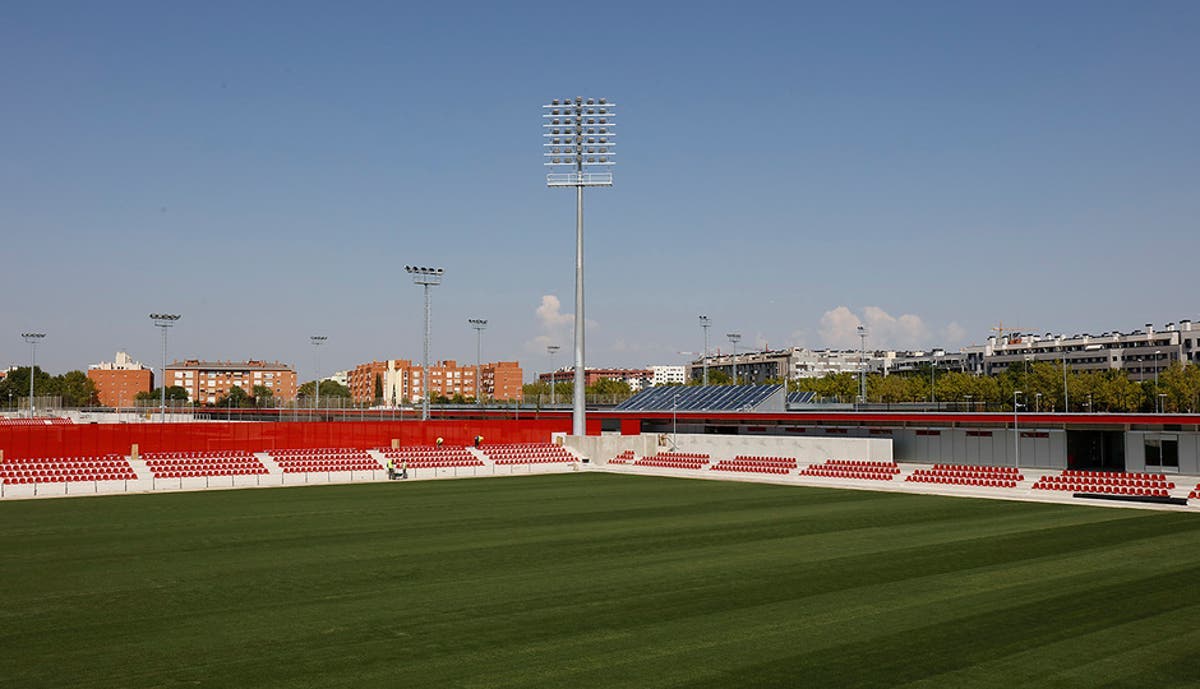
[[789, 169]]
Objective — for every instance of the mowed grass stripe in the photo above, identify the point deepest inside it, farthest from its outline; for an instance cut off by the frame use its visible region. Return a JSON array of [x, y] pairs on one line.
[[582, 580]]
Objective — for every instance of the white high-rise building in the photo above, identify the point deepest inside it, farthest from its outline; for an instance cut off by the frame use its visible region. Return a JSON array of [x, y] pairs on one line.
[[665, 375]]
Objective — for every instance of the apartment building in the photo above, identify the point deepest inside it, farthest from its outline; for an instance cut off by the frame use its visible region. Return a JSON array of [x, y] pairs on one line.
[[119, 381], [208, 381], [401, 381]]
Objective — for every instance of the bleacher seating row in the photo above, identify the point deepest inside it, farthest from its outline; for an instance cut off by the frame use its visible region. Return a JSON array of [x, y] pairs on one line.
[[430, 457], [66, 469], [206, 454], [1081, 481], [323, 460], [529, 453], [853, 468], [968, 475], [756, 464], [1195, 493], [626, 457], [317, 452], [36, 421], [675, 460]]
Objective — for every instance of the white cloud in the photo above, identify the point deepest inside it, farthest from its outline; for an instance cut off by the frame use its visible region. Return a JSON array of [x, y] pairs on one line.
[[550, 315], [955, 334], [557, 327], [839, 328]]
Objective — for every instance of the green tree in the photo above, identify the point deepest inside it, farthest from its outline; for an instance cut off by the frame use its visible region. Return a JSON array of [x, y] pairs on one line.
[[175, 393], [236, 397], [329, 390], [16, 384], [1181, 384], [608, 386], [75, 389], [263, 396]]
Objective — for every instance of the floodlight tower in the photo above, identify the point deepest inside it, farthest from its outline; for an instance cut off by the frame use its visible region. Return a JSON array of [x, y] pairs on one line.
[[317, 341], [734, 338], [579, 142], [862, 364], [426, 277], [163, 321], [480, 324], [706, 325], [551, 350], [33, 339]]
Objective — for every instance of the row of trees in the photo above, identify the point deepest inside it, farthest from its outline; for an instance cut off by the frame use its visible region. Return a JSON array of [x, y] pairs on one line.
[[259, 396], [74, 388], [563, 390], [1041, 385]]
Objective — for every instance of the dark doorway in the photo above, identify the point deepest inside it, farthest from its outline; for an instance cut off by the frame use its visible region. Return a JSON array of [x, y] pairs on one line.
[[1103, 450]]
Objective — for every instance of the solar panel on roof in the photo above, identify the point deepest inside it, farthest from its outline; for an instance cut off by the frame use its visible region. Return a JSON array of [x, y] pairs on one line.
[[699, 398], [801, 397]]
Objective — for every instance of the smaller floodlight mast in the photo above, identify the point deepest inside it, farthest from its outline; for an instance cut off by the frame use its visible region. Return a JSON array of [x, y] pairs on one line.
[[579, 149], [33, 339], [317, 341], [426, 277], [706, 325], [163, 321], [480, 324], [551, 350], [734, 338], [862, 365]]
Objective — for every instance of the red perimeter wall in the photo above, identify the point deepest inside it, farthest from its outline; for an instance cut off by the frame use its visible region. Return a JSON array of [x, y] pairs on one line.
[[99, 439]]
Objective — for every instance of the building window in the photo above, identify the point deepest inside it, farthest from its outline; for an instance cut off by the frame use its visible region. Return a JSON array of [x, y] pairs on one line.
[[1162, 452]]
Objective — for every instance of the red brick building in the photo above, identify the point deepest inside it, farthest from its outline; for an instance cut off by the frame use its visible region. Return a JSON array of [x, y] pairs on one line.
[[208, 381], [118, 382], [636, 377], [401, 380]]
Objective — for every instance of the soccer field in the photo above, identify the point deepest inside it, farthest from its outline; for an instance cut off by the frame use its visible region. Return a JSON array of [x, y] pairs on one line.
[[594, 580]]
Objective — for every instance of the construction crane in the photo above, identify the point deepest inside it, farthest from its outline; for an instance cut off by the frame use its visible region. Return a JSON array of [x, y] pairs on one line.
[[1000, 329]]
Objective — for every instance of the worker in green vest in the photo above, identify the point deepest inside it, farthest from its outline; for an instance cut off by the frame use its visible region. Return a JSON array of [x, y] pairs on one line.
[[391, 467]]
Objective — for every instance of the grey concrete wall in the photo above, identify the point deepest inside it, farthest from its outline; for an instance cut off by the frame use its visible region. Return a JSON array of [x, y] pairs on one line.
[[956, 446], [806, 449], [1189, 451]]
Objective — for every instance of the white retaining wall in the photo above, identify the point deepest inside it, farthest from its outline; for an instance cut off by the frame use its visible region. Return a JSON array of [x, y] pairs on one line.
[[806, 450]]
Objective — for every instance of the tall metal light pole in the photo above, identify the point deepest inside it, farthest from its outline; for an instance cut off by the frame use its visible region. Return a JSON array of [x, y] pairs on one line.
[[426, 277], [706, 325], [163, 321], [1066, 395], [317, 341], [933, 378], [862, 364], [1016, 432], [551, 350], [579, 137], [1156, 398], [33, 339], [675, 422], [480, 324], [734, 338]]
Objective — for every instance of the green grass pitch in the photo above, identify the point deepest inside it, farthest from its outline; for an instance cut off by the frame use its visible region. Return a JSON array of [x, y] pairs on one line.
[[593, 580]]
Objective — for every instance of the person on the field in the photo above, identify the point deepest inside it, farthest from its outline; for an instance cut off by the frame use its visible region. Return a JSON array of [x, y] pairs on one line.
[[404, 468], [391, 467]]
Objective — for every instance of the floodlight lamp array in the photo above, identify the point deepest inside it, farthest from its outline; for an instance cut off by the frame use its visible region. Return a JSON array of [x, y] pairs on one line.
[[318, 339], [478, 323], [33, 337], [164, 320], [579, 132], [425, 276]]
